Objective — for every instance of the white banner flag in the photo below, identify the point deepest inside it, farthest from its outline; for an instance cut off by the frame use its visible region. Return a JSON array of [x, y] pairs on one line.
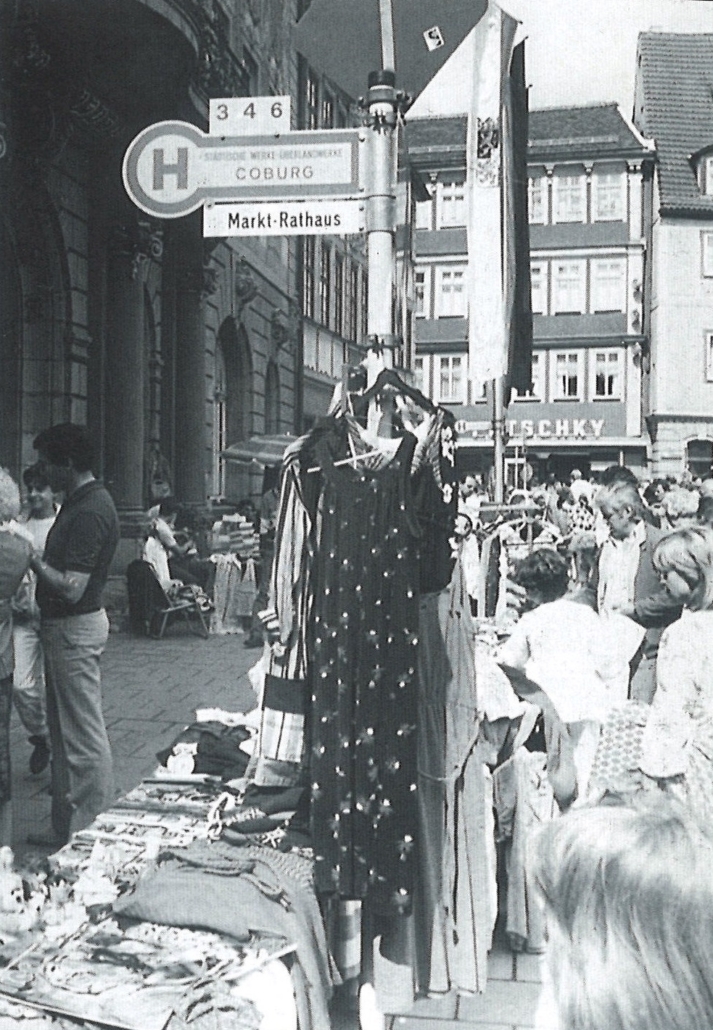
[[488, 333]]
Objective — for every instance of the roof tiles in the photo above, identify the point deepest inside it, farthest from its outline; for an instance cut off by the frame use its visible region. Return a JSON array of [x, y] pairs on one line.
[[674, 106]]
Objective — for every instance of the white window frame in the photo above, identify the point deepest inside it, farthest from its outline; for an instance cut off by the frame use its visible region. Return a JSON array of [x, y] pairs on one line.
[[603, 186], [539, 272], [557, 305], [537, 199], [707, 254], [451, 201], [607, 297], [424, 270], [555, 392], [565, 187], [447, 362], [424, 214], [707, 175], [537, 393], [446, 275], [609, 352], [708, 335], [420, 374]]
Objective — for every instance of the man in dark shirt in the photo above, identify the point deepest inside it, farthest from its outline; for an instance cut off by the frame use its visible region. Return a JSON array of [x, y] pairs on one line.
[[71, 576]]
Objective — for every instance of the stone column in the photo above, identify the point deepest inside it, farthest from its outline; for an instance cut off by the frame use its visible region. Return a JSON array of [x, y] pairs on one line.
[[195, 281], [125, 371]]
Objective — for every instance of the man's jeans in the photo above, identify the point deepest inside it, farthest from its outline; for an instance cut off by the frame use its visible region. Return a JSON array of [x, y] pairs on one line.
[[82, 770]]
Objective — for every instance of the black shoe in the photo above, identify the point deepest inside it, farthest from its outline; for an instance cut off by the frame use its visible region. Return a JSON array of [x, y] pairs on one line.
[[40, 757]]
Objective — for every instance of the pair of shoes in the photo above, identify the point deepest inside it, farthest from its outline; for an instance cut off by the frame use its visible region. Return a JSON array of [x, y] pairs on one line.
[[40, 757]]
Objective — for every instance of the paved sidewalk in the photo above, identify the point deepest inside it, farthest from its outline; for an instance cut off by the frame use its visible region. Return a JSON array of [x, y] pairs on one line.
[[151, 690]]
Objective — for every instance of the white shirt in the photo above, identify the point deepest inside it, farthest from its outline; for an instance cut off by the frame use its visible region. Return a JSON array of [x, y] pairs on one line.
[[618, 565]]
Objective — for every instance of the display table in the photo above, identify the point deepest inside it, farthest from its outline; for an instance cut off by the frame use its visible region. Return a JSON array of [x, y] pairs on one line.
[[65, 952]]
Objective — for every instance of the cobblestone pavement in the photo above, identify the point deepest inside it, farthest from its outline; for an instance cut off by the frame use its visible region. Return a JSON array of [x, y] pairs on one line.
[[151, 690]]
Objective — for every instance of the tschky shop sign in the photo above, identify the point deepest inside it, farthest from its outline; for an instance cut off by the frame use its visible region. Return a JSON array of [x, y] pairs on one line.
[[538, 429]]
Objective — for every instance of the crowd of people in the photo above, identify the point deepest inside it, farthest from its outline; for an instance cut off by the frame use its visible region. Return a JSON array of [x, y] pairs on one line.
[[617, 612]]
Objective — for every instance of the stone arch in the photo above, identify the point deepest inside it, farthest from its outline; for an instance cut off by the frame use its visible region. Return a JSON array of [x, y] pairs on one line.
[[272, 399]]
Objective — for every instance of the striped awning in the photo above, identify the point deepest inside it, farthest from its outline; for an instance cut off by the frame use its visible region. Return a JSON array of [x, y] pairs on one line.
[[259, 450]]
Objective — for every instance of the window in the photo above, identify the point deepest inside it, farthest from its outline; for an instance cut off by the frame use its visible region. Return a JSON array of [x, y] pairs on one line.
[[451, 379], [353, 304], [608, 285], [607, 374], [424, 213], [452, 204], [538, 288], [707, 175], [707, 245], [422, 299], [568, 287], [451, 298], [339, 293], [567, 377], [536, 199], [569, 198], [608, 199], [536, 391], [327, 112], [709, 357], [324, 283], [310, 100], [308, 276], [419, 374]]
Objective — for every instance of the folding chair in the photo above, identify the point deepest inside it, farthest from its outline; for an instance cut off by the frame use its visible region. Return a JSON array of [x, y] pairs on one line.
[[150, 607]]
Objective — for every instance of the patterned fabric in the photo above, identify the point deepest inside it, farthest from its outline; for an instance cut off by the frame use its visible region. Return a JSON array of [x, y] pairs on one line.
[[616, 763], [363, 773]]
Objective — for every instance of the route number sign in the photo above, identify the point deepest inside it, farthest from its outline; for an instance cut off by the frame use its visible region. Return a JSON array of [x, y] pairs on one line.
[[249, 116]]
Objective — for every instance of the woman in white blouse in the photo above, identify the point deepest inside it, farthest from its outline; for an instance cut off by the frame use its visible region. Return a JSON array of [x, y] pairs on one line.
[[677, 746]]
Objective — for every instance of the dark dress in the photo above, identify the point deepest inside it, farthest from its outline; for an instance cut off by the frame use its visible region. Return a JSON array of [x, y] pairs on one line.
[[363, 677]]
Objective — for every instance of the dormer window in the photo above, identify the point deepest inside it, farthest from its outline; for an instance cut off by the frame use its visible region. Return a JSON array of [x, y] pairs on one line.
[[708, 175]]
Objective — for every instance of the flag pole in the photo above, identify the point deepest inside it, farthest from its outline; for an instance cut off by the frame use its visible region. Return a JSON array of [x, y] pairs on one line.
[[499, 439]]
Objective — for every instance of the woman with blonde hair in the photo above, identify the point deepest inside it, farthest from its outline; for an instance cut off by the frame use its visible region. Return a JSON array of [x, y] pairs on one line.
[[629, 900], [677, 746]]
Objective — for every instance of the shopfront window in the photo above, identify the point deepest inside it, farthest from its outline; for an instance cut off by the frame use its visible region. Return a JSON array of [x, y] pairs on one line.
[[567, 376], [607, 375]]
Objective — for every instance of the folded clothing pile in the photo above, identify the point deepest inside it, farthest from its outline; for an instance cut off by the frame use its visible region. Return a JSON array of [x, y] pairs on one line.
[[215, 750]]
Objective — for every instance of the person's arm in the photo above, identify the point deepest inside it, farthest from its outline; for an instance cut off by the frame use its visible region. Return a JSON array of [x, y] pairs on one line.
[[664, 744], [70, 585]]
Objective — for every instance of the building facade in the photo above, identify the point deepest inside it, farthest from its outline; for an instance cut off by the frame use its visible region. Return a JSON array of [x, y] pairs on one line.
[[587, 173], [168, 346], [674, 107]]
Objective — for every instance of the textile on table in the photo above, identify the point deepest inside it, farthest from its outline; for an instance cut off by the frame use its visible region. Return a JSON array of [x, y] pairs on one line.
[[363, 675]]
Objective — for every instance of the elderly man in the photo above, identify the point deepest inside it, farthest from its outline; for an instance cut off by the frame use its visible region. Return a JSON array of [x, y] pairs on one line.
[[627, 582]]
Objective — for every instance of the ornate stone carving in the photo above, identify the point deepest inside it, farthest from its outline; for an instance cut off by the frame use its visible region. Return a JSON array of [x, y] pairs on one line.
[[141, 241], [245, 287], [93, 114], [284, 328]]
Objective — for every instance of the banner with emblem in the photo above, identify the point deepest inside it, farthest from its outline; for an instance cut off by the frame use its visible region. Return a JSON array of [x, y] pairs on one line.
[[488, 326]]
